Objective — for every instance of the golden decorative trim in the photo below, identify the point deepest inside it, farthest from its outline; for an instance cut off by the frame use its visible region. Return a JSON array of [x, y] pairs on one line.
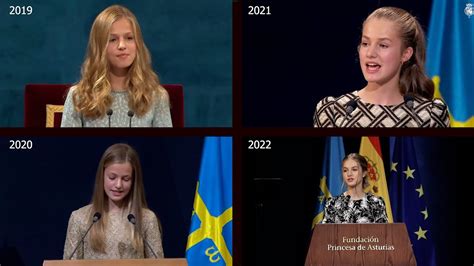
[[52, 109]]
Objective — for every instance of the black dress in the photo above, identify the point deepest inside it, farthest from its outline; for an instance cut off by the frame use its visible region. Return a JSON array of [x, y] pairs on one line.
[[341, 209]]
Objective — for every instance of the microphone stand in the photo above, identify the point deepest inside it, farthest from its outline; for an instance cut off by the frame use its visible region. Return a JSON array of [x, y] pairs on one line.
[[350, 107], [349, 110], [109, 114], [410, 103], [130, 115], [131, 219], [96, 217]]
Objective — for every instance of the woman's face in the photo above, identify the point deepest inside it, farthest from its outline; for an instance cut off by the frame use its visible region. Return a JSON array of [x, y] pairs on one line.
[[380, 51], [352, 173], [118, 180], [121, 48]]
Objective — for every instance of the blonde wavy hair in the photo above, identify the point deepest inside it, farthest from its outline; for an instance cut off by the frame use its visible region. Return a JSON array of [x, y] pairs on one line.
[[92, 95], [135, 201]]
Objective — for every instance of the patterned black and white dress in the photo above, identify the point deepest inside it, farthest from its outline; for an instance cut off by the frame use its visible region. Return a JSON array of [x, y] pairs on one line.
[[331, 112], [341, 209]]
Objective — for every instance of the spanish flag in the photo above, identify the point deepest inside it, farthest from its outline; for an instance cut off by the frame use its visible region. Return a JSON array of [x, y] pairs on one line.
[[371, 150]]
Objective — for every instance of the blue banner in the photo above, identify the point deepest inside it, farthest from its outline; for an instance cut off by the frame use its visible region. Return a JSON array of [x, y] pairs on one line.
[[210, 236], [450, 57], [330, 183]]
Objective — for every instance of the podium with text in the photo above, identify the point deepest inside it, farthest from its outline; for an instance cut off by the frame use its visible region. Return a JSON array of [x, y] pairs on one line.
[[134, 262], [360, 244]]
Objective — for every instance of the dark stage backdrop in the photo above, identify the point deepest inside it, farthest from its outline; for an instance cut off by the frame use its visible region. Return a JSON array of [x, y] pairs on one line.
[[41, 187], [280, 188], [190, 43], [302, 52]]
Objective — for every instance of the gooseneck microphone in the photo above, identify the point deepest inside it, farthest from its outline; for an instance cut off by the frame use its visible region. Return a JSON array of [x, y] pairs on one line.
[[131, 219], [410, 103], [349, 108], [82, 120], [95, 218], [130, 115], [109, 114]]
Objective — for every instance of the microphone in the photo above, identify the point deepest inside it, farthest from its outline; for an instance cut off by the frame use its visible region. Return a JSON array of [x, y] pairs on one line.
[[131, 219], [130, 114], [109, 114], [349, 108], [95, 218], [410, 103]]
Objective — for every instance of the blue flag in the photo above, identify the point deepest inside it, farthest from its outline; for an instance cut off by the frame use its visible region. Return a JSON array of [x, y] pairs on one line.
[[408, 199], [450, 57], [330, 182], [210, 235]]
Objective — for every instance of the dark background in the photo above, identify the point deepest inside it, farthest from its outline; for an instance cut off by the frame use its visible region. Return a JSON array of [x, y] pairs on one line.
[[41, 187], [302, 52], [280, 188]]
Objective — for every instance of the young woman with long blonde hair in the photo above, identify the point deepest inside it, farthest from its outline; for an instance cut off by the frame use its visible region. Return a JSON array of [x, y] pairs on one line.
[[398, 93], [117, 224], [354, 205], [118, 87]]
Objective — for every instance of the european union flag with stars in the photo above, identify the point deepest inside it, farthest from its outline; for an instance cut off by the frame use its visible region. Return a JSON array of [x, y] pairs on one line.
[[408, 199], [210, 236]]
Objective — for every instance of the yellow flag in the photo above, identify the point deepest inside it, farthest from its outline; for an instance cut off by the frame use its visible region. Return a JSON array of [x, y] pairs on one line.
[[370, 149]]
